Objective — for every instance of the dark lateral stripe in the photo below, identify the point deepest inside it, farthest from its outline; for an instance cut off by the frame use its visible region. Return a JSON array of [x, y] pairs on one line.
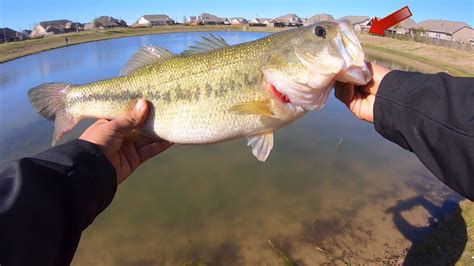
[[107, 97], [175, 94]]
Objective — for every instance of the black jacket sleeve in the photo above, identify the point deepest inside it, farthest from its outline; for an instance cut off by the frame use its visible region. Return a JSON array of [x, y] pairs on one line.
[[431, 115], [47, 201]]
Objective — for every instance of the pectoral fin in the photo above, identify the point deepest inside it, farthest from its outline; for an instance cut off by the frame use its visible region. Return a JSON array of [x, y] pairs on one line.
[[262, 108], [261, 145]]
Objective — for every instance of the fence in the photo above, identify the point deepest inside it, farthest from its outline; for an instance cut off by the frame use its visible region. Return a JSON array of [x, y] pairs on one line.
[[433, 41]]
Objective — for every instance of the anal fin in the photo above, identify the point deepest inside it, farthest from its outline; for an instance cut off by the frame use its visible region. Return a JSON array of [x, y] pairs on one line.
[[261, 145]]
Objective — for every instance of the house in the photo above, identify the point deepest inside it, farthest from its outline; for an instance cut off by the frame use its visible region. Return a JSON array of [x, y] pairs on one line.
[[105, 22], [360, 23], [404, 27], [9, 35], [446, 30], [154, 20], [290, 20], [205, 19], [55, 27], [26, 33], [318, 18], [90, 26], [260, 22], [238, 21]]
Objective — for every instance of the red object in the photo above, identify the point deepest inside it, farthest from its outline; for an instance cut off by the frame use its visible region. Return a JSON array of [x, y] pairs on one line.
[[379, 26], [282, 97]]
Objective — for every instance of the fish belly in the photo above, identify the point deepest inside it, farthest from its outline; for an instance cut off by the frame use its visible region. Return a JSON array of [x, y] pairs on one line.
[[202, 123]]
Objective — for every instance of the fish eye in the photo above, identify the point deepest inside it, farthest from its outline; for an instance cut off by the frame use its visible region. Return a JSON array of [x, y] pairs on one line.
[[320, 31]]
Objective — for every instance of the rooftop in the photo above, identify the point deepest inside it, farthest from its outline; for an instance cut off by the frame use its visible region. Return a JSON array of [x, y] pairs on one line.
[[444, 26], [355, 19]]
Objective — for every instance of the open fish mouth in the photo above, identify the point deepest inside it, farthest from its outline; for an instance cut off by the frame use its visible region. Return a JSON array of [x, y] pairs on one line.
[[355, 69]]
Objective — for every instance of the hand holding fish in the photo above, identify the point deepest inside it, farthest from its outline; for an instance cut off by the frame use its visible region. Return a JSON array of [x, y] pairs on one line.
[[360, 99], [215, 92], [125, 154]]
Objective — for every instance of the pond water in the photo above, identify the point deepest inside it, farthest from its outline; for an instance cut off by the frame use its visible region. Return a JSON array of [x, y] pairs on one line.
[[331, 182]]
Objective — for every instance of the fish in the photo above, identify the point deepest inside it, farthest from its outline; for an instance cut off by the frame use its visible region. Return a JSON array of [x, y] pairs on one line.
[[215, 92]]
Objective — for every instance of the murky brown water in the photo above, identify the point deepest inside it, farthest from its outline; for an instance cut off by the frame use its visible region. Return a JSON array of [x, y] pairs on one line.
[[331, 186]]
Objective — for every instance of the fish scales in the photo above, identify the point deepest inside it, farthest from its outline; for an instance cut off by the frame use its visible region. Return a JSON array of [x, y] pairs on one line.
[[209, 96], [189, 93]]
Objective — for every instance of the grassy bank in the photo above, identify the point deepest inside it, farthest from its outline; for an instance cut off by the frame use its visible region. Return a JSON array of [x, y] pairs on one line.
[[418, 55]]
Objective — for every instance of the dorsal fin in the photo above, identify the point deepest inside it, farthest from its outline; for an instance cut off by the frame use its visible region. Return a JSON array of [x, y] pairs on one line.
[[207, 43], [147, 55]]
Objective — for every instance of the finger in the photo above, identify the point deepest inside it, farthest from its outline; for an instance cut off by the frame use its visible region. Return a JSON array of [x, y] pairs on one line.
[[133, 119], [101, 121], [337, 89], [88, 134], [131, 154], [141, 141], [370, 67], [367, 88], [345, 93], [98, 123], [148, 151]]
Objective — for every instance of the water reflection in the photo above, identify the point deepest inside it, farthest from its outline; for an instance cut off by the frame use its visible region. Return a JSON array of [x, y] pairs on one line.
[[389, 64], [216, 203]]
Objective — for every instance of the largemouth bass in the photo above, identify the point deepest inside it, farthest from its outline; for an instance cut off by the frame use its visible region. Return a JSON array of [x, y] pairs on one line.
[[214, 92]]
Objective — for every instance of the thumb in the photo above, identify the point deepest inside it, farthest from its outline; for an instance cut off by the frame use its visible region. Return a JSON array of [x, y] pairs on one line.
[[133, 119], [344, 92]]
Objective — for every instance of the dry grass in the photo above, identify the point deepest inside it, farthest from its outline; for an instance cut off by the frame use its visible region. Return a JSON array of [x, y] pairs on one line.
[[454, 61]]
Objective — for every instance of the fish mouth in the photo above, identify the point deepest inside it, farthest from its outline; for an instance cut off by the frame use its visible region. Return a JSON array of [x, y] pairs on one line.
[[355, 69]]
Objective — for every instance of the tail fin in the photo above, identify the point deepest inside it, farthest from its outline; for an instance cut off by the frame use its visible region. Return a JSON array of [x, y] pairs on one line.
[[49, 99]]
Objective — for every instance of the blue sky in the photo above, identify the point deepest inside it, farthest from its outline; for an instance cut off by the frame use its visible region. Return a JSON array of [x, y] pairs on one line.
[[22, 14]]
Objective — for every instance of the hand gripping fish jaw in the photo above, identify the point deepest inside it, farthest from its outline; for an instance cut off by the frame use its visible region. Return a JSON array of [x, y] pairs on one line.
[[214, 92], [307, 61]]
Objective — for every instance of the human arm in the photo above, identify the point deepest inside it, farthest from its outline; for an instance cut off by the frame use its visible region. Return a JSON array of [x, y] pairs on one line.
[[431, 115], [46, 201]]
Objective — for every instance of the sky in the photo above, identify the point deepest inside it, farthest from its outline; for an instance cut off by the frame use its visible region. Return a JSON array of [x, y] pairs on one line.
[[24, 14]]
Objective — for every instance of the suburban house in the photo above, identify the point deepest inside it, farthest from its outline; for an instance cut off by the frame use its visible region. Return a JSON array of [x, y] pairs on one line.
[[205, 19], [404, 27], [318, 18], [237, 21], [26, 33], [260, 22], [55, 27], [105, 22], [9, 35], [360, 23], [154, 20], [446, 30], [290, 20]]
